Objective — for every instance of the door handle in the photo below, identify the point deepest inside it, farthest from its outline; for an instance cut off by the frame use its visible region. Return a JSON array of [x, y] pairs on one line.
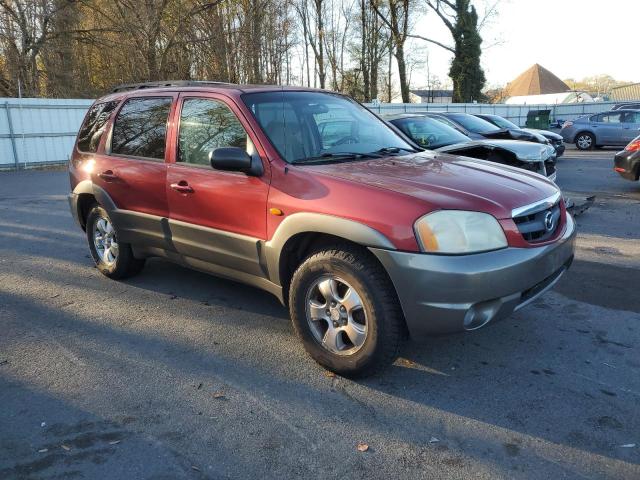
[[182, 187], [108, 176]]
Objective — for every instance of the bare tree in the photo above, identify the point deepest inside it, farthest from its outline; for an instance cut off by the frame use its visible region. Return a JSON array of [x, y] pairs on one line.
[[398, 24]]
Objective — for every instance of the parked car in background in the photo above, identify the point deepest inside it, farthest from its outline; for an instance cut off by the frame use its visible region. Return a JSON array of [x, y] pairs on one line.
[[435, 135], [614, 128], [627, 162], [361, 235], [554, 139], [626, 106]]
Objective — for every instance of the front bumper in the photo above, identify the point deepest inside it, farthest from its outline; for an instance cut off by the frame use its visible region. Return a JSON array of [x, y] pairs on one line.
[[445, 293], [627, 164]]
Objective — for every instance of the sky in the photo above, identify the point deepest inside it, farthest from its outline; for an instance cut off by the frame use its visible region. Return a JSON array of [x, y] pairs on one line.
[[571, 38]]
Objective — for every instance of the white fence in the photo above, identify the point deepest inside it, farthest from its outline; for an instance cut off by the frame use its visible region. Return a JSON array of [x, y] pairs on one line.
[[40, 131]]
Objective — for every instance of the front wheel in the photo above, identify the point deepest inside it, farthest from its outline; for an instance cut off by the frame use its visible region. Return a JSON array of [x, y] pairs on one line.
[[113, 258], [585, 141], [345, 311]]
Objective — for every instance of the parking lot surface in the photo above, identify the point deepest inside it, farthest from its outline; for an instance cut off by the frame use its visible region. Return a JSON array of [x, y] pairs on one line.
[[175, 374]]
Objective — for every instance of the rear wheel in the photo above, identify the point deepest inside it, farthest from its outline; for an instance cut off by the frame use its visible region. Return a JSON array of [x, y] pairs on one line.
[[113, 258], [585, 141], [345, 311]]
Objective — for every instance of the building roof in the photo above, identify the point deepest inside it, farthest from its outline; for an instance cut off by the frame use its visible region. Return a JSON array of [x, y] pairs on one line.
[[626, 92], [536, 80]]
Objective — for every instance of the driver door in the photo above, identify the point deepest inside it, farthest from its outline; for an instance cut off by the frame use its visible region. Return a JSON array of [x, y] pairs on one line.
[[217, 217]]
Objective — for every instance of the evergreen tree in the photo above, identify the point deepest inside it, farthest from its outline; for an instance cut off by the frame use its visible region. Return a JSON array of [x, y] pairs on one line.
[[466, 72]]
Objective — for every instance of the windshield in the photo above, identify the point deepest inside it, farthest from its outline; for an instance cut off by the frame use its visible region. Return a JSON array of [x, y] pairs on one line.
[[473, 124], [304, 126], [503, 122], [429, 133]]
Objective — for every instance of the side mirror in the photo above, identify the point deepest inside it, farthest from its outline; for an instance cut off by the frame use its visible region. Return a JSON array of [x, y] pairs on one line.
[[235, 159]]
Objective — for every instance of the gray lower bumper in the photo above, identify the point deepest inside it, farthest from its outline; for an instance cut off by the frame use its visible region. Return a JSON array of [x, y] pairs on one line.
[[444, 293]]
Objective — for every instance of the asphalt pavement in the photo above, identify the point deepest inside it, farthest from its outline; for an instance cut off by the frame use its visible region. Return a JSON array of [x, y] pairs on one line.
[[175, 374]]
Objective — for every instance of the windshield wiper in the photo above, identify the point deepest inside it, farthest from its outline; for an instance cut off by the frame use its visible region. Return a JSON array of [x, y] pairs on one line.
[[395, 150], [335, 157]]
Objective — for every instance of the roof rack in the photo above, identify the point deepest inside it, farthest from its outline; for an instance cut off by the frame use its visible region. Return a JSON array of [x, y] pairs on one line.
[[168, 83]]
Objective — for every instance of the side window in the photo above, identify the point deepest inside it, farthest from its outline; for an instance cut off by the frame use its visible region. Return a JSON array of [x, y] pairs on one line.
[[611, 118], [93, 126], [140, 128], [207, 124]]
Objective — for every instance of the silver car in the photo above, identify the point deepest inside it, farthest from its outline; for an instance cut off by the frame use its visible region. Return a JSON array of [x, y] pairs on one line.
[[617, 127]]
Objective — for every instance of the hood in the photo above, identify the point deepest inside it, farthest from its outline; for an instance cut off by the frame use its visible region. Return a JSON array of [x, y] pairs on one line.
[[524, 151], [544, 133], [514, 134], [447, 182]]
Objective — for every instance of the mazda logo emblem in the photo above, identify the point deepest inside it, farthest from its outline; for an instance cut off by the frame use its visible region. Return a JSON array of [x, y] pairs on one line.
[[549, 223]]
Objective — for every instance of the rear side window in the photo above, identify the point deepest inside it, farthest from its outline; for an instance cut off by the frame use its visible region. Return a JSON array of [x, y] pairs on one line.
[[140, 128], [94, 125]]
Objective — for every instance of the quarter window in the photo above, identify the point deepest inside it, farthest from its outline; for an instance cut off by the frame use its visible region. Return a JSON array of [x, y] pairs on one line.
[[207, 124], [140, 128], [94, 125]]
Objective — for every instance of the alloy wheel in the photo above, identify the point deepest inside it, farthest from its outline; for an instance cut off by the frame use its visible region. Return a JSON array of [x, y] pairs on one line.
[[336, 315], [584, 142], [104, 239]]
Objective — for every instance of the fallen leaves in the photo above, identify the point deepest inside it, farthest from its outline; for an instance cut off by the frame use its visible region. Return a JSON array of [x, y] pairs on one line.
[[329, 374], [362, 447], [218, 394]]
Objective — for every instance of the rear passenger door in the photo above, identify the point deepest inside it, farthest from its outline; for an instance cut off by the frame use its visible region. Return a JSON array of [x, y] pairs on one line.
[[631, 126], [218, 217], [133, 170]]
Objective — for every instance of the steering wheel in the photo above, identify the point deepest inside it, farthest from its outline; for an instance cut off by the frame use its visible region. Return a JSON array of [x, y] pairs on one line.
[[347, 139]]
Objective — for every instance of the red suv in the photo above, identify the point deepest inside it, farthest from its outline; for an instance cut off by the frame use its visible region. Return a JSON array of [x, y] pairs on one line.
[[308, 195]]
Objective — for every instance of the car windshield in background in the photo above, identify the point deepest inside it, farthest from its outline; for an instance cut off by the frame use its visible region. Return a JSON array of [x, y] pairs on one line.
[[473, 124], [503, 122], [316, 126], [429, 133]]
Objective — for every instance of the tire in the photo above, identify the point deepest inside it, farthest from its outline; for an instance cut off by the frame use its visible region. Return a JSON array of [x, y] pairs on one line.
[[120, 263], [585, 141], [379, 317]]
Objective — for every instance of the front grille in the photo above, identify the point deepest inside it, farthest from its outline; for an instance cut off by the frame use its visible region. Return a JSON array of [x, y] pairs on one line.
[[534, 226]]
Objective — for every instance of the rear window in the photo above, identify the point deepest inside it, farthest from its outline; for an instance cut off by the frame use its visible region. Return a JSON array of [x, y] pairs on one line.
[[140, 128], [94, 125]]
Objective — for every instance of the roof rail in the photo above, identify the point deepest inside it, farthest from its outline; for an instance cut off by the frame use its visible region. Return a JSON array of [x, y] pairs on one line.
[[167, 83]]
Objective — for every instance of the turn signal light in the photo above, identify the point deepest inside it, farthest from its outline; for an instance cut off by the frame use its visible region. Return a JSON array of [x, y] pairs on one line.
[[633, 146]]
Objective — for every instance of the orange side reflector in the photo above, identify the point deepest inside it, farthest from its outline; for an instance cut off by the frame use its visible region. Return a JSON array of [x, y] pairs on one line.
[[275, 211]]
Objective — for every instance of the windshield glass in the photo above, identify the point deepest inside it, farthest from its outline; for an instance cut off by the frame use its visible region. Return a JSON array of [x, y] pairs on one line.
[[309, 125], [503, 122], [473, 124], [429, 133]]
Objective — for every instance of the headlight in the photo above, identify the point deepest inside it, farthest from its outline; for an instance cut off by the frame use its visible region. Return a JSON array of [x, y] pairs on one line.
[[457, 231]]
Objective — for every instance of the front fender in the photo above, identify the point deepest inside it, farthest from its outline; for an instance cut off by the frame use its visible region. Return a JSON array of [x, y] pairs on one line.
[[319, 223]]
